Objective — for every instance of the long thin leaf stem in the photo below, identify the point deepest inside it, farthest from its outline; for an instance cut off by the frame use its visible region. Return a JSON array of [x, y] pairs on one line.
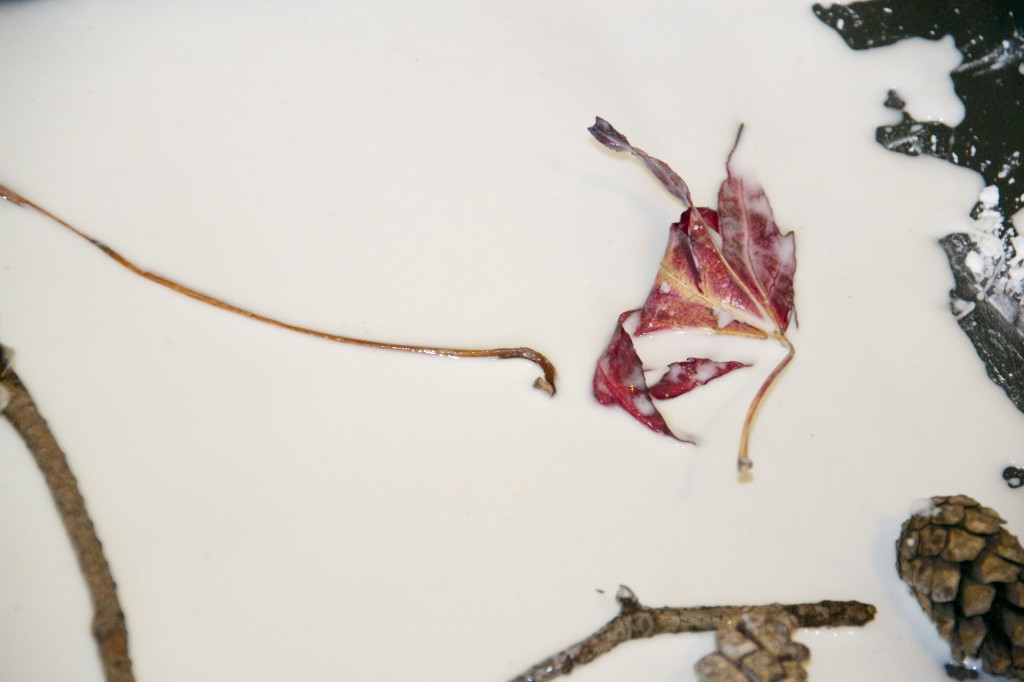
[[545, 382], [743, 462], [636, 621], [108, 624]]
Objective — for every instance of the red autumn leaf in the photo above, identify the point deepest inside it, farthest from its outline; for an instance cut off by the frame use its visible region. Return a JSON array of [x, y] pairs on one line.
[[728, 272]]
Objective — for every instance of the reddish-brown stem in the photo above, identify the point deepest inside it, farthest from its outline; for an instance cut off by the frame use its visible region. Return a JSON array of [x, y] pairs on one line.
[[108, 624], [545, 382], [744, 463]]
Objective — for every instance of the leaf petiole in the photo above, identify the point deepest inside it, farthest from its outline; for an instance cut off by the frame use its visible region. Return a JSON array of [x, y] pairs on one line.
[[546, 382], [743, 462]]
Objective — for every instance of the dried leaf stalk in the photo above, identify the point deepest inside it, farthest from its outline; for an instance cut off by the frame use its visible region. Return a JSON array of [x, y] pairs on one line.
[[108, 625], [636, 621], [545, 383]]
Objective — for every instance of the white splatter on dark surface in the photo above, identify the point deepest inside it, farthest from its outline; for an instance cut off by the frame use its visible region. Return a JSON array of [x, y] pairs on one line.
[[989, 140]]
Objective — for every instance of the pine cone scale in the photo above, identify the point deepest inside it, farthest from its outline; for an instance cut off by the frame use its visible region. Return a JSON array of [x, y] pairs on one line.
[[1014, 594], [1013, 626], [962, 545], [949, 514], [755, 646], [932, 540], [717, 668], [762, 666], [996, 656], [971, 633], [990, 568], [976, 598], [945, 582], [1007, 546], [980, 523]]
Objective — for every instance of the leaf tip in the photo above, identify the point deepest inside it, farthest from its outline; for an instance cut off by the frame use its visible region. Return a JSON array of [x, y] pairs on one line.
[[606, 134], [735, 146], [600, 126]]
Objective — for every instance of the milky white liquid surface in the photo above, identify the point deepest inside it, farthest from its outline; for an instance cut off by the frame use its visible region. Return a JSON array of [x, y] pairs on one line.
[[276, 507]]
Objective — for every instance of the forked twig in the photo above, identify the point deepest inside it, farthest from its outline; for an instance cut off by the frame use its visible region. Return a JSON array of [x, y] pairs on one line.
[[546, 382], [636, 621], [108, 625]]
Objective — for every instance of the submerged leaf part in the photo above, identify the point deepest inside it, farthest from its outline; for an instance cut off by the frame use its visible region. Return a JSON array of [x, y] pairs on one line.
[[728, 271], [683, 377], [619, 380]]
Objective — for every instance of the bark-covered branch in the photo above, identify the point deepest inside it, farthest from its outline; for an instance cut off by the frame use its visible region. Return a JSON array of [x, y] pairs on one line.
[[636, 621], [108, 625]]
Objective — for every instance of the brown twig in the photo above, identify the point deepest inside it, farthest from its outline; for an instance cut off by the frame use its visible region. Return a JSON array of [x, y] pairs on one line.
[[108, 625], [546, 382], [636, 621]]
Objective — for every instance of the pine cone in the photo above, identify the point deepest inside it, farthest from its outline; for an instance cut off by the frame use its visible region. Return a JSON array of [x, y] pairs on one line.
[[964, 568], [755, 646]]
